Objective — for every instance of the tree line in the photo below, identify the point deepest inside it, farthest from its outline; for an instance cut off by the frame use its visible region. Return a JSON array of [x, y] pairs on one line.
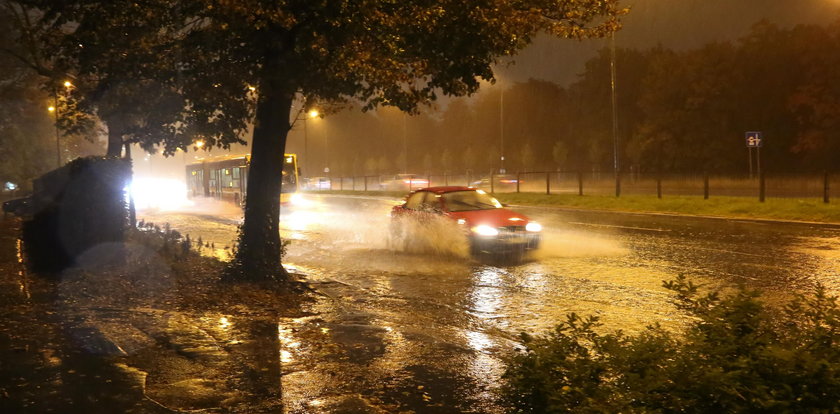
[[678, 111]]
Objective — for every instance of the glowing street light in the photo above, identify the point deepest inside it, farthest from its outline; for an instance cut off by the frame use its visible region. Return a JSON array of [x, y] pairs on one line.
[[67, 84], [313, 113], [53, 109], [199, 144]]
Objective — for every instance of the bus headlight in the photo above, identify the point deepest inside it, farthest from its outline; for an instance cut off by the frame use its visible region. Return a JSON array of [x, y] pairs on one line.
[[485, 230], [297, 199], [533, 226]]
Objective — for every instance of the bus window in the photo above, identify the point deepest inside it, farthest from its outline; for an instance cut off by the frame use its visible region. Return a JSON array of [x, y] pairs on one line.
[[235, 177], [214, 177], [227, 180]]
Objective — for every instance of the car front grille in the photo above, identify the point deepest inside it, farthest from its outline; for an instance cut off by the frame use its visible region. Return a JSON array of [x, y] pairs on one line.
[[507, 232]]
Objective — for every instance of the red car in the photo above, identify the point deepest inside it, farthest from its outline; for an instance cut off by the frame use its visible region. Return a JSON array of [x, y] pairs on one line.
[[489, 226]]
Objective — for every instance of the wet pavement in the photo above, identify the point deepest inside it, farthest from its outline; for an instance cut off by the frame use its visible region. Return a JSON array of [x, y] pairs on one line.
[[136, 336], [426, 329]]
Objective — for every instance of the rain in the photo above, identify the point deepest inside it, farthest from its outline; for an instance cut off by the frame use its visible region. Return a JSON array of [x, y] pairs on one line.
[[695, 142]]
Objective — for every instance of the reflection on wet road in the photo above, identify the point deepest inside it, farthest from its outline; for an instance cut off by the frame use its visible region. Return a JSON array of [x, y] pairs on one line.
[[424, 331]]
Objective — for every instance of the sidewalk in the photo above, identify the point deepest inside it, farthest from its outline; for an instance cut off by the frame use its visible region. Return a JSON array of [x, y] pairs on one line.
[[100, 340]]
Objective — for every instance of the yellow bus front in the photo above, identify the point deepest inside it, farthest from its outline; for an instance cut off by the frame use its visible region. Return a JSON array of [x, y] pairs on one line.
[[291, 182]]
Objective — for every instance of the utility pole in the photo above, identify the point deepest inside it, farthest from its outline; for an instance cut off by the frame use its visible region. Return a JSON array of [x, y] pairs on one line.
[[501, 129], [616, 166]]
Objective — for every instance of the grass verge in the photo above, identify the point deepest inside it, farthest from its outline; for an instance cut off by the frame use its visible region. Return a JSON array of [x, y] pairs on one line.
[[813, 210]]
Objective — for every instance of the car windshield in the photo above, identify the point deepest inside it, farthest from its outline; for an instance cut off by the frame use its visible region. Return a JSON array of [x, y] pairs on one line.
[[470, 200]]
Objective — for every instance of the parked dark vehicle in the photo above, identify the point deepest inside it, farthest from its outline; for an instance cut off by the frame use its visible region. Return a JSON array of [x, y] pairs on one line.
[[19, 206]]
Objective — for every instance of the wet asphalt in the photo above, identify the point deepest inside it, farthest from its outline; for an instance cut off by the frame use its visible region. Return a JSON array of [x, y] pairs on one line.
[[425, 327]]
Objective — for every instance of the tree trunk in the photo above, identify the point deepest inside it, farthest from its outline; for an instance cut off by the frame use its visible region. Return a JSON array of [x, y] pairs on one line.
[[115, 137], [258, 255]]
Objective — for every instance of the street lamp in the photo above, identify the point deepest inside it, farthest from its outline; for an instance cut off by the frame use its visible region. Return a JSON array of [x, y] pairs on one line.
[[501, 129], [614, 116], [313, 113], [326, 150], [54, 110]]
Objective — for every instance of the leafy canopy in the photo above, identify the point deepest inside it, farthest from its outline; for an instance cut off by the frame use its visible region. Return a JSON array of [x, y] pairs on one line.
[[377, 52]]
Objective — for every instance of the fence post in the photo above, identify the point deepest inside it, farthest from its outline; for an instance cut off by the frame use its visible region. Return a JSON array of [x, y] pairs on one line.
[[761, 187], [825, 187], [548, 183], [618, 184], [446, 179], [517, 181], [428, 180], [659, 186], [705, 185], [491, 184], [365, 183], [580, 183]]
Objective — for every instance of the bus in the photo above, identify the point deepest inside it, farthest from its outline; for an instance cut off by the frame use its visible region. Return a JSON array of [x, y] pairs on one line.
[[226, 178]]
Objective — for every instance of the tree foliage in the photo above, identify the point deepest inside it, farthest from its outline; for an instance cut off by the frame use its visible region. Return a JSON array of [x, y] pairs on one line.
[[27, 130], [738, 355]]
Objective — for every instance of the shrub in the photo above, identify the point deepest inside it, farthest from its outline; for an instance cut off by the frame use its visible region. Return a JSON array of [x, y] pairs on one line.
[[737, 355]]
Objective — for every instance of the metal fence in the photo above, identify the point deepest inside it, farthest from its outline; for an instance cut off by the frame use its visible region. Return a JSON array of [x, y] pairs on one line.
[[803, 186]]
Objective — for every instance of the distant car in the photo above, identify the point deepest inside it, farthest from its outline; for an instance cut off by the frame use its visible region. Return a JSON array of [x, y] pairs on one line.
[[317, 183], [489, 227], [18, 206], [504, 182], [404, 182]]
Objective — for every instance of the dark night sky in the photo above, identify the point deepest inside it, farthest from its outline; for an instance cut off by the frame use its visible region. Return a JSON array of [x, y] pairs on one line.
[[676, 24]]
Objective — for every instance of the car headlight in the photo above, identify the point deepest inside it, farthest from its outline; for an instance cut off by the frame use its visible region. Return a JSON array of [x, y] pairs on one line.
[[297, 199], [485, 230], [533, 226]]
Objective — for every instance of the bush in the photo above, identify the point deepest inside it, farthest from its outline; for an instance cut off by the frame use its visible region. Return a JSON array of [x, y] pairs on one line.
[[738, 355]]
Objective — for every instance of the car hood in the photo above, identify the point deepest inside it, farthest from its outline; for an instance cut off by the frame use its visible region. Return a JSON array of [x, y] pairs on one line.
[[496, 217]]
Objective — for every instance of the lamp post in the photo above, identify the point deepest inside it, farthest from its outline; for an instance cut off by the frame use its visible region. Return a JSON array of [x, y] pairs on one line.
[[54, 110], [311, 114], [616, 165], [326, 150], [405, 143], [501, 129]]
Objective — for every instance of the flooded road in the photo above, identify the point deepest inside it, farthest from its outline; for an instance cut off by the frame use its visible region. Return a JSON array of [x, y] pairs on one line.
[[424, 330]]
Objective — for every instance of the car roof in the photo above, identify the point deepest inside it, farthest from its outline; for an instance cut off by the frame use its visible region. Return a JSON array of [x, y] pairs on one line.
[[446, 189]]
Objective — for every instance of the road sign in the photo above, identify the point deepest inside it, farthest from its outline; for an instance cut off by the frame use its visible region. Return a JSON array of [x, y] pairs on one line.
[[754, 139]]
